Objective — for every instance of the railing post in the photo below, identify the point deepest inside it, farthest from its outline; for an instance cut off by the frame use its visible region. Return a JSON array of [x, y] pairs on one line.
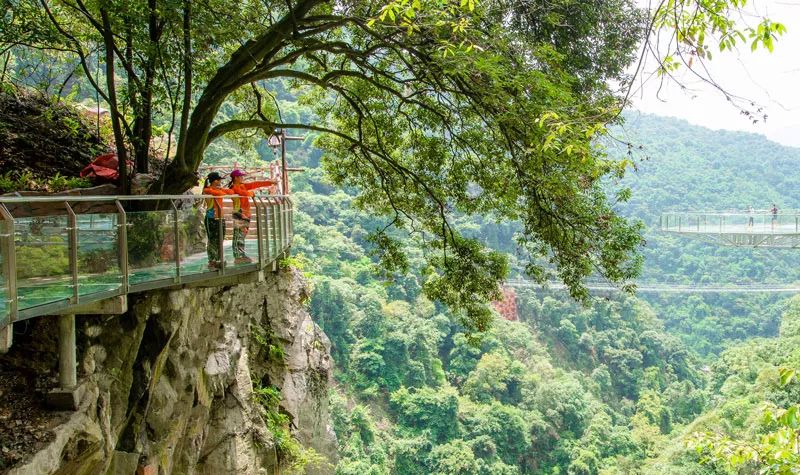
[[259, 233], [291, 220], [10, 263], [680, 220], [275, 234], [122, 239], [176, 246], [279, 250], [267, 219], [221, 234], [73, 251], [283, 227]]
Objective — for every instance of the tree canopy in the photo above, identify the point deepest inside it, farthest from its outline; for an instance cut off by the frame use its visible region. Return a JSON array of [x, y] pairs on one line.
[[431, 109]]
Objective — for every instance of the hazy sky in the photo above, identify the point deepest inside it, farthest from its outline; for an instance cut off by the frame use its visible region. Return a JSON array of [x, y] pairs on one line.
[[770, 80]]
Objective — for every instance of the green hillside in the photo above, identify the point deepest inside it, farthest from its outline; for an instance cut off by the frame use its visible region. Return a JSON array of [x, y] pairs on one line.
[[569, 389], [692, 168]]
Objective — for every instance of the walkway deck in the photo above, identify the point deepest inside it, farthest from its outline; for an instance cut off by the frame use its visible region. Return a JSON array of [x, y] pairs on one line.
[[666, 288], [61, 253], [737, 229]]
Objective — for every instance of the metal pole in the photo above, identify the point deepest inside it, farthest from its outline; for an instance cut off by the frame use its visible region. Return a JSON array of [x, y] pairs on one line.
[[284, 173], [221, 237], [259, 233], [267, 219], [73, 251], [291, 220], [176, 243], [275, 232], [284, 228], [10, 263], [67, 362], [122, 239]]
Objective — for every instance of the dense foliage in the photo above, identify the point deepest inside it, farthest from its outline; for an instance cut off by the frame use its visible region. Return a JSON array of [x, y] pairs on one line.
[[697, 169], [616, 387], [429, 109]]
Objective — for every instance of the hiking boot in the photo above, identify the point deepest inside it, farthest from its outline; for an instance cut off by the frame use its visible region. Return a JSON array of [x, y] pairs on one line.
[[213, 265], [243, 260]]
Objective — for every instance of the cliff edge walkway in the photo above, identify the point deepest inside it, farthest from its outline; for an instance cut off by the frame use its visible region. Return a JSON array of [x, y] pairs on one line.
[[67, 255]]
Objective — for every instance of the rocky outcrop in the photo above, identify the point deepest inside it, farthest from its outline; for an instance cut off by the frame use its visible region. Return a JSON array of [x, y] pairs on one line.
[[167, 388]]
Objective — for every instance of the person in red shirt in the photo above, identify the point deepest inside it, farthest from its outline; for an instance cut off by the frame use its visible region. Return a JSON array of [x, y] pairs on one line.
[[242, 213], [214, 220]]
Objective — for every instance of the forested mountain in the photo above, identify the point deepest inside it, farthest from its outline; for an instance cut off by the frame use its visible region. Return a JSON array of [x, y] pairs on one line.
[[684, 167], [569, 389], [447, 121]]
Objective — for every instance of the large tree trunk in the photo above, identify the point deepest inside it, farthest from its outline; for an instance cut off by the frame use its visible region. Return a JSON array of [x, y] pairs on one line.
[[181, 173], [119, 138]]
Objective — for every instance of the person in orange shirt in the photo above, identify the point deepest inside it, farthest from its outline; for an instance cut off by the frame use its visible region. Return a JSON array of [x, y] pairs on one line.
[[241, 213], [214, 220]]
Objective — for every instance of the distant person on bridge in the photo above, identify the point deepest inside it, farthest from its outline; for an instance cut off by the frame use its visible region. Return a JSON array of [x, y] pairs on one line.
[[774, 212], [214, 220], [750, 212], [241, 212]]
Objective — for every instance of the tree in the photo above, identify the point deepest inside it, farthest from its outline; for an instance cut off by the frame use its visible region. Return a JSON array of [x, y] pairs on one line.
[[453, 458], [430, 109], [428, 409]]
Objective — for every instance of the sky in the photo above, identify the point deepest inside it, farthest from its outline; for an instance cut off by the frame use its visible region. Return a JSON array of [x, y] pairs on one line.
[[770, 80]]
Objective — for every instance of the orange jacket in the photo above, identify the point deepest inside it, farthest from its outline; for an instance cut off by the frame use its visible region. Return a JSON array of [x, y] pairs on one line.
[[216, 202], [244, 190]]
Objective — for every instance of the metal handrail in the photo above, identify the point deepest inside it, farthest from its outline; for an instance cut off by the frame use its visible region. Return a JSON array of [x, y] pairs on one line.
[[88, 287], [113, 198], [729, 213]]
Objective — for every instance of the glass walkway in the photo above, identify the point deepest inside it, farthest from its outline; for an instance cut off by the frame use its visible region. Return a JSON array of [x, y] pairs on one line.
[[60, 253], [740, 229]]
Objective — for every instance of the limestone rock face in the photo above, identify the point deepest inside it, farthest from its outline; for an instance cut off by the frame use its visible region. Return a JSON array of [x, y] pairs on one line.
[[167, 388]]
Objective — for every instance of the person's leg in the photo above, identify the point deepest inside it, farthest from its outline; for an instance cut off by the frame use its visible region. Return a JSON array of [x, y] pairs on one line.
[[238, 239], [221, 241], [212, 248], [209, 233], [245, 232]]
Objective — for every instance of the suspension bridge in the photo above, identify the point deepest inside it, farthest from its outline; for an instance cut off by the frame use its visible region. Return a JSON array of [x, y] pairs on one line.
[[664, 288]]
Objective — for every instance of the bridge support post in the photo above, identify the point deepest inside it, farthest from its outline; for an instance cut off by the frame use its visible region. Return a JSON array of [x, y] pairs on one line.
[[6, 337], [66, 396], [67, 361]]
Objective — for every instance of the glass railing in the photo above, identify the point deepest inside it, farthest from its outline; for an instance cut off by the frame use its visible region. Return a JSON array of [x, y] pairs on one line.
[[757, 222], [58, 253]]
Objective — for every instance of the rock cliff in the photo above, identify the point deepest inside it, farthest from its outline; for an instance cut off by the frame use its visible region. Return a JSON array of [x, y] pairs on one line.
[[168, 387]]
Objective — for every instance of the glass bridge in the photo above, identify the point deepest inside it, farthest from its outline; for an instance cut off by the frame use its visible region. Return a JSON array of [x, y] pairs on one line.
[[741, 229], [60, 253]]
